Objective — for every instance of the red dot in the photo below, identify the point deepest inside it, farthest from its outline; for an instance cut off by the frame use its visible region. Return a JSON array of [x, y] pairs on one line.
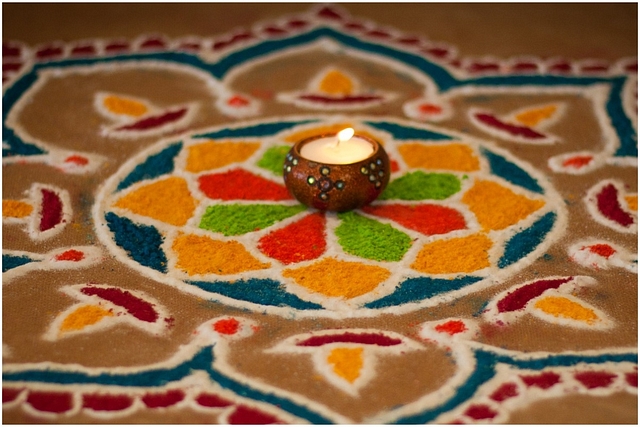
[[227, 326], [70, 255]]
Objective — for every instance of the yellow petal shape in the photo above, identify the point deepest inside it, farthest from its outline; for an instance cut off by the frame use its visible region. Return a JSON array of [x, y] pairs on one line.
[[84, 316], [558, 306], [203, 255], [457, 255], [212, 154], [536, 115], [497, 207], [124, 106], [16, 209], [347, 362], [168, 200], [335, 278], [454, 157], [632, 202], [336, 83]]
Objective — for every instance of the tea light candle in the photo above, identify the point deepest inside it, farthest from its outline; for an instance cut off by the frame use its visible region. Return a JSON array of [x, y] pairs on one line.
[[336, 172], [343, 150]]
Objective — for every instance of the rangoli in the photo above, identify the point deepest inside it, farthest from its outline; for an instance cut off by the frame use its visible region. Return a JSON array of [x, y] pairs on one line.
[[155, 265]]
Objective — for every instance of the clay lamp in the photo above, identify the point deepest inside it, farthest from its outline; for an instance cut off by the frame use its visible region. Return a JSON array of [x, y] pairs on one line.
[[336, 172]]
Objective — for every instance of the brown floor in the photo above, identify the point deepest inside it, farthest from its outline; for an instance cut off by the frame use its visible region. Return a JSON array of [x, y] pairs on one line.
[[575, 31]]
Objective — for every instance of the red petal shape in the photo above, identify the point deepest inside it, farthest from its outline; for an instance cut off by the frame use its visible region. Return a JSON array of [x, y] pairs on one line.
[[504, 392], [480, 412], [212, 401], [351, 337], [226, 326], [163, 400], [595, 379], [70, 255], [451, 327], [106, 402], [245, 415], [51, 210], [519, 298], [51, 401], [138, 308], [240, 184], [543, 381], [341, 100], [610, 208], [577, 162], [10, 394], [156, 121], [426, 219], [301, 241], [495, 123]]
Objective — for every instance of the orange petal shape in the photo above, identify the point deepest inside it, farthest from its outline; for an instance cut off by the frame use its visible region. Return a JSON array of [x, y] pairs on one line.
[[347, 362], [16, 209], [457, 255], [124, 106], [336, 83], [534, 116], [558, 306], [335, 278], [497, 207], [84, 316], [453, 157], [212, 154], [203, 255], [168, 200], [632, 202]]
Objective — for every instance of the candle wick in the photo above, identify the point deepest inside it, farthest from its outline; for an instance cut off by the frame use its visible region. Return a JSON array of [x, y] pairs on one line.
[[344, 135]]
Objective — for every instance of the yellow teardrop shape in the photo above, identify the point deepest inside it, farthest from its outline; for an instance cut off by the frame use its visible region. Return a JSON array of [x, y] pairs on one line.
[[336, 83], [347, 362]]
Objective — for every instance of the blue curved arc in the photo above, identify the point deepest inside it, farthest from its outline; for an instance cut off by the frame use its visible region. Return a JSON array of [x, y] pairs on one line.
[[485, 370], [201, 361]]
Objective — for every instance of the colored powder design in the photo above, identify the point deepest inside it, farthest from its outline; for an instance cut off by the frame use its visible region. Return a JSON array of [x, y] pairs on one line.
[[518, 131], [563, 307], [16, 209], [426, 219], [366, 338], [595, 379], [419, 185], [336, 83], [153, 122], [124, 106], [497, 207], [50, 401], [458, 255], [577, 162], [167, 200], [106, 402], [203, 255], [234, 220], [244, 415], [163, 400], [451, 327], [70, 255], [504, 392], [609, 206], [211, 400], [632, 202], [602, 249], [480, 412], [347, 362], [302, 240], [10, 262], [155, 166], [137, 307], [51, 210], [534, 116], [77, 160], [544, 380], [213, 154], [518, 299], [454, 157], [227, 326], [142, 242], [371, 239], [273, 159], [84, 316], [238, 184], [335, 278]]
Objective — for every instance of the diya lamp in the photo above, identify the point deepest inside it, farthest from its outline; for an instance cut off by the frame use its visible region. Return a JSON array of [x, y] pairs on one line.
[[336, 172]]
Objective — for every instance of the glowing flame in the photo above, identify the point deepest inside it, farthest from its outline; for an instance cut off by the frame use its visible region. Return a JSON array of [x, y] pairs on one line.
[[345, 135]]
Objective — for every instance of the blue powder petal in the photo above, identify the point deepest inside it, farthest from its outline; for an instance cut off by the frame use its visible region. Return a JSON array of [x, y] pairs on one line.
[[402, 132], [155, 166], [526, 241], [512, 173], [10, 262], [142, 242]]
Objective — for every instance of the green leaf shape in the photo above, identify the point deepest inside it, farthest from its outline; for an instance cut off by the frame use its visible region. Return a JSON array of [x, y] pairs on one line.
[[370, 239], [273, 159], [419, 185], [236, 219]]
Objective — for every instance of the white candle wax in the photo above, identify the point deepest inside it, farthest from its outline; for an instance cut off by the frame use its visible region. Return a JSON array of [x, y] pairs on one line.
[[328, 150]]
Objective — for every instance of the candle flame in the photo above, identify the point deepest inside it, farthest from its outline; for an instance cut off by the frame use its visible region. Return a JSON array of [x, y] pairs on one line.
[[345, 135]]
